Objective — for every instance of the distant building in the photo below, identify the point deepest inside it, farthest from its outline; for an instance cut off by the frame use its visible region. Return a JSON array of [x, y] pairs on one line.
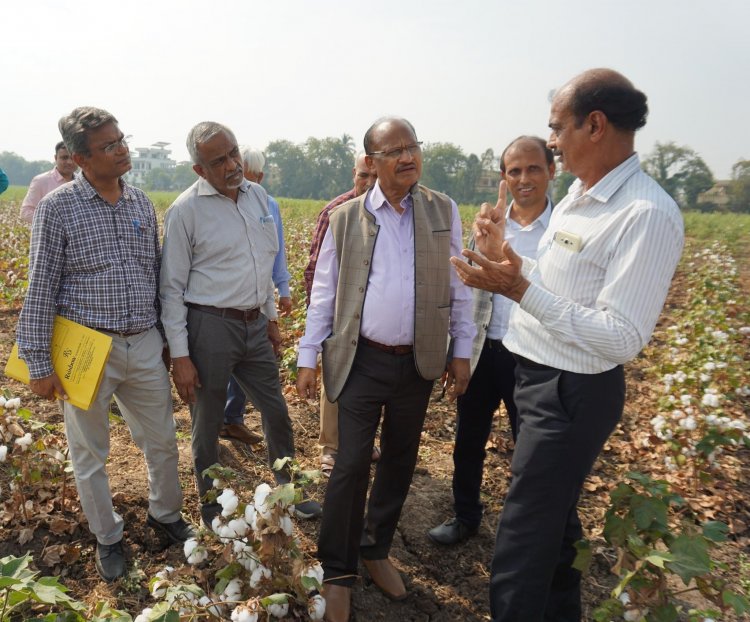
[[148, 159], [487, 182], [718, 195]]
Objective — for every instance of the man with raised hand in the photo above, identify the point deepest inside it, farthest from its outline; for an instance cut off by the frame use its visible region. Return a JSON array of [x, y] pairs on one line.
[[95, 260], [384, 301], [45, 183], [526, 167], [363, 178], [586, 306], [218, 304]]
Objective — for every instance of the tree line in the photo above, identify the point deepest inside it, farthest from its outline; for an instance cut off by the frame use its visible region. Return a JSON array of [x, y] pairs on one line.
[[321, 168]]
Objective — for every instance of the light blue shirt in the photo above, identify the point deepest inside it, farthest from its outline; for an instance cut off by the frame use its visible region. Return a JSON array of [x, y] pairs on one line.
[[280, 274]]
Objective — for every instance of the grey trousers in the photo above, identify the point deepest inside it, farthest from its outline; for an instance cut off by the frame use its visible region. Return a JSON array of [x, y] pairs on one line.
[[137, 377], [220, 348]]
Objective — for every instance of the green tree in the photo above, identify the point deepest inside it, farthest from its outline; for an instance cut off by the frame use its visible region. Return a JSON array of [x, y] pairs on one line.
[[680, 171], [158, 179], [288, 170], [739, 191], [442, 167], [20, 171], [560, 185], [330, 164], [183, 176]]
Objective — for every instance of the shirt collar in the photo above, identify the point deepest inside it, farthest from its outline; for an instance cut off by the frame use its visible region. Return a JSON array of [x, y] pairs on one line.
[[89, 191], [57, 175], [542, 219], [378, 200], [609, 184]]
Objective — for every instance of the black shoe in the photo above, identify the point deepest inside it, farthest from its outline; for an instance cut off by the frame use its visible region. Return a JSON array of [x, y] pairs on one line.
[[209, 511], [451, 531], [177, 531], [308, 509], [110, 561]]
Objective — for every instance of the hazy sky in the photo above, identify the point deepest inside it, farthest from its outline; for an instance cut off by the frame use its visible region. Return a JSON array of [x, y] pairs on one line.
[[475, 73]]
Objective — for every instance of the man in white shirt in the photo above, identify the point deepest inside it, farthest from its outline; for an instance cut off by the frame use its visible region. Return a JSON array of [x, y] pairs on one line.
[[588, 304], [45, 183], [526, 166], [218, 307]]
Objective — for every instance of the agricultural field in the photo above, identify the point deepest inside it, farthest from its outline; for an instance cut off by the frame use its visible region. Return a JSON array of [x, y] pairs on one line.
[[683, 435]]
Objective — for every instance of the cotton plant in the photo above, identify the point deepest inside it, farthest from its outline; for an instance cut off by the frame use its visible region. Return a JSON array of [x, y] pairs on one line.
[[251, 548], [705, 383]]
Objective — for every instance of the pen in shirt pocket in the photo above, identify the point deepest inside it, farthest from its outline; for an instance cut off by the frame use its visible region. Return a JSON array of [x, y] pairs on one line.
[[138, 227]]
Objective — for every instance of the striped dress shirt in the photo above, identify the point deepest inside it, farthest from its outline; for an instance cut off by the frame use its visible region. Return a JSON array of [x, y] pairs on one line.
[[593, 305]]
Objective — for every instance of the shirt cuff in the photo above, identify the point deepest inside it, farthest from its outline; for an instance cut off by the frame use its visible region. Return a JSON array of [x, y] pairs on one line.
[[39, 364], [307, 356], [462, 347], [537, 300], [284, 291]]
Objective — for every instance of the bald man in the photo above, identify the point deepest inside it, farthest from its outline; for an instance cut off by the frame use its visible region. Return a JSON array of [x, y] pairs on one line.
[[586, 306]]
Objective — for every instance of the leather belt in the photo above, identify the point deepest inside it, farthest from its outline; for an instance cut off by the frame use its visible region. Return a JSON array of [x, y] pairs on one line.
[[244, 315], [521, 360], [119, 333], [389, 349], [494, 344]]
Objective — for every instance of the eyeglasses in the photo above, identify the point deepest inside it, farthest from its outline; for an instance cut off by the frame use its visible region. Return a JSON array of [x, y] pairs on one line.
[[393, 154], [112, 147]]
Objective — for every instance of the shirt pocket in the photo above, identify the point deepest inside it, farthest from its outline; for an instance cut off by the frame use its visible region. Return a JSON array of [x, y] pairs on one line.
[[268, 240]]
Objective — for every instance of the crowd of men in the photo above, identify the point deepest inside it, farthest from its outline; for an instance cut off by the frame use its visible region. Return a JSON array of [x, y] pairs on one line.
[[539, 313]]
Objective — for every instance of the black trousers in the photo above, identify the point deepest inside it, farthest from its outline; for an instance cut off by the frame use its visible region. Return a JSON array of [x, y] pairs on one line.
[[493, 380], [564, 420], [378, 382]]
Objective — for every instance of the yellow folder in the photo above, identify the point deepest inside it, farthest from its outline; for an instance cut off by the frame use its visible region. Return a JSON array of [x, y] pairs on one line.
[[78, 354]]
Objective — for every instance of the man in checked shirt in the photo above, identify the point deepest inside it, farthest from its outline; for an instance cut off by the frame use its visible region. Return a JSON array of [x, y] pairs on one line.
[[95, 260]]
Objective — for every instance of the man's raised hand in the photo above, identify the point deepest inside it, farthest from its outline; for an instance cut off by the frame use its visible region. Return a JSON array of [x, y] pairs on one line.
[[489, 225]]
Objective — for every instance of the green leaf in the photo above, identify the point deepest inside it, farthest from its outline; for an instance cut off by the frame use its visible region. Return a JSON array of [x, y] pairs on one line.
[[11, 566], [649, 513], [275, 599], [663, 613], [309, 583], [583, 555], [691, 557], [229, 572], [285, 493], [616, 529], [738, 602], [715, 531], [619, 494], [659, 558], [280, 463]]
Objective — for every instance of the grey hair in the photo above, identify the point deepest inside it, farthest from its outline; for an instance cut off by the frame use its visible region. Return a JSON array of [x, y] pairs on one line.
[[254, 160], [75, 127], [202, 133], [358, 155]]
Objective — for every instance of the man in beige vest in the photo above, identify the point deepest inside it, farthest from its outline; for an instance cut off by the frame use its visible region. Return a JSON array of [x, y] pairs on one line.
[[383, 303]]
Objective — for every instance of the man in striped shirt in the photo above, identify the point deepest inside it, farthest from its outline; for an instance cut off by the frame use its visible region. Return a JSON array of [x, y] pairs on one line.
[[586, 306]]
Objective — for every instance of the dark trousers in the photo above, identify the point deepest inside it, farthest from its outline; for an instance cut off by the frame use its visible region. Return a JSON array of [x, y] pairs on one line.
[[377, 382], [220, 348], [493, 380], [234, 409], [564, 420]]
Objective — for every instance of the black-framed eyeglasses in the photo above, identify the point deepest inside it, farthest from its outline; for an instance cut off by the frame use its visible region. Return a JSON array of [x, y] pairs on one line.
[[393, 154], [112, 147]]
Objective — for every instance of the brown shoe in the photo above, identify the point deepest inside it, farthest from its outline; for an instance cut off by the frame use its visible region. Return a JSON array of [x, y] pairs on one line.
[[338, 602], [240, 432], [386, 577]]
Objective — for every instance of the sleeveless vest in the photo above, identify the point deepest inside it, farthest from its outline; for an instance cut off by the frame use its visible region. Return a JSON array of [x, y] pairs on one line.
[[354, 232]]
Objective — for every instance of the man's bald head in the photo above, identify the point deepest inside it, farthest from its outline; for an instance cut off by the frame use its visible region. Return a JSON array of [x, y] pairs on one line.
[[610, 92], [364, 177]]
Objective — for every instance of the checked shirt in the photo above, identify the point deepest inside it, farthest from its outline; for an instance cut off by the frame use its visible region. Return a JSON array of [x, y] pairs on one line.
[[91, 262]]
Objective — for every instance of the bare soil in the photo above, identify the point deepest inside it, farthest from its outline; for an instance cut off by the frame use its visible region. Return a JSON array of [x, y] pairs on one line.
[[444, 583]]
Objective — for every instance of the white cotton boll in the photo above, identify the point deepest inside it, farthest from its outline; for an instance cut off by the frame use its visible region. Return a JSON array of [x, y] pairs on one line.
[[2, 401], [278, 610], [286, 525], [13, 404], [143, 615], [316, 607], [745, 330], [260, 573], [3, 453], [243, 614], [228, 501], [315, 571], [24, 441], [219, 483], [159, 589], [625, 598], [705, 377], [233, 590], [633, 615], [239, 527], [248, 562], [193, 553], [251, 516], [711, 400], [688, 423], [710, 366], [685, 399], [719, 335], [261, 493]]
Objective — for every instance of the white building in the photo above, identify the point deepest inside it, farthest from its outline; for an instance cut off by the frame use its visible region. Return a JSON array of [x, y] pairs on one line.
[[148, 159]]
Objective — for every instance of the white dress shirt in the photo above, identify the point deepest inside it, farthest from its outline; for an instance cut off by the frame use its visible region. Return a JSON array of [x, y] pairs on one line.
[[594, 307], [388, 310], [524, 240], [216, 252]]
